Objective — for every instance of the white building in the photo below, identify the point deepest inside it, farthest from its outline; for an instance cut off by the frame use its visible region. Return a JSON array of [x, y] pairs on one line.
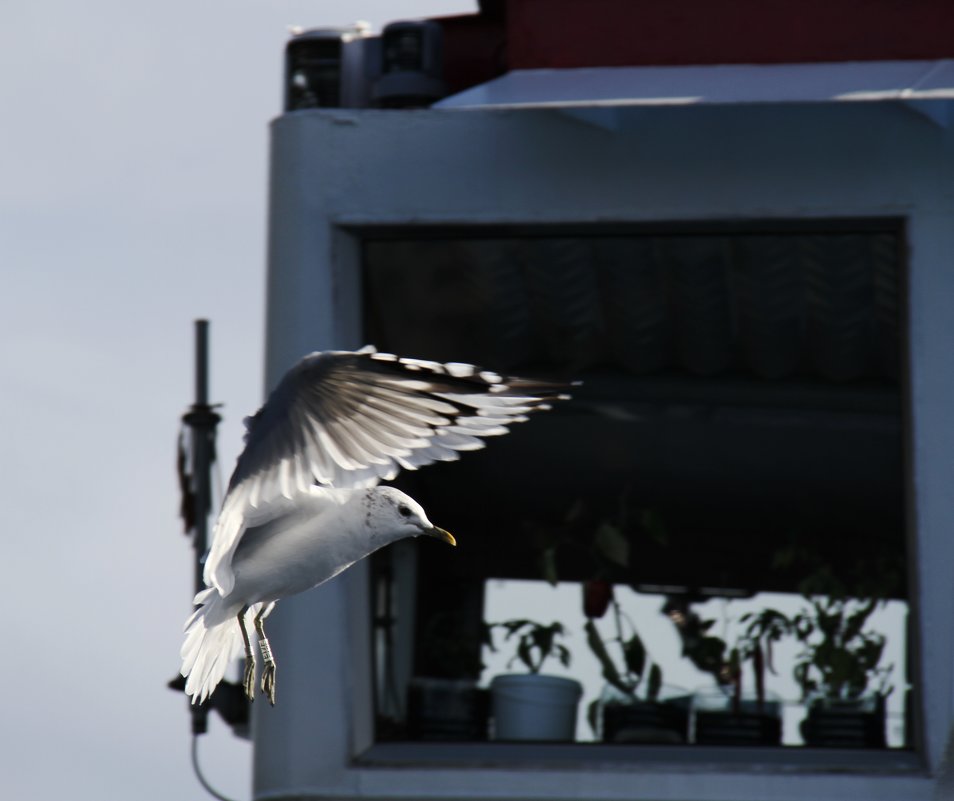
[[598, 147]]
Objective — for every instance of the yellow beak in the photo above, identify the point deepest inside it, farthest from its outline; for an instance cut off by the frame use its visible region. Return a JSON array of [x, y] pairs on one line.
[[444, 536]]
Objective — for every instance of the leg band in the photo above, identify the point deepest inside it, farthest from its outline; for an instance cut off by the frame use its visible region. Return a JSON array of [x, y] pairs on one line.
[[266, 650]]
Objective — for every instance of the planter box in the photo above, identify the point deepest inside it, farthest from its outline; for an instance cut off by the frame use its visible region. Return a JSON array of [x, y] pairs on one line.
[[845, 724], [638, 721], [717, 721], [449, 710]]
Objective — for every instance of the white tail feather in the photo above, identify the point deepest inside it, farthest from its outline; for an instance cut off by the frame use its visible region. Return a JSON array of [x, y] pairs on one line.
[[212, 640]]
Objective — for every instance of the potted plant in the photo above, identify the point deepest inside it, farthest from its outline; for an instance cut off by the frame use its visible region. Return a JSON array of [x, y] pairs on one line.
[[533, 705], [634, 706], [724, 716], [844, 686], [728, 714], [839, 672]]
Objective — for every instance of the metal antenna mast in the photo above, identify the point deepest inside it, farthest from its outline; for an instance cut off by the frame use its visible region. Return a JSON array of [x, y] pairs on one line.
[[202, 419], [196, 481], [196, 455]]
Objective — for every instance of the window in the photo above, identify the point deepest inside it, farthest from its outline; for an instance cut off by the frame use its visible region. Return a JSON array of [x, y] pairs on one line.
[[732, 466]]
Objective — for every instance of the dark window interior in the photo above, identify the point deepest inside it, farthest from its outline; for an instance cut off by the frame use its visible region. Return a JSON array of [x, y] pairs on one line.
[[740, 416]]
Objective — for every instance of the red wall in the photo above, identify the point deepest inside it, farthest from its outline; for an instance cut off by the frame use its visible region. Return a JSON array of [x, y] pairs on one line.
[[581, 33]]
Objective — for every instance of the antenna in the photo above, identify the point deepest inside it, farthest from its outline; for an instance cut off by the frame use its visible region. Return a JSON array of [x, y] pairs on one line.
[[202, 420], [195, 468], [196, 455]]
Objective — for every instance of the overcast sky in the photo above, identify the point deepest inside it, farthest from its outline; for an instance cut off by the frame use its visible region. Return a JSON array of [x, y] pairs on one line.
[[133, 153]]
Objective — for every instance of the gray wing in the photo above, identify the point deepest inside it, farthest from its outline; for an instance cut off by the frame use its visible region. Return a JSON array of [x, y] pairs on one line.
[[350, 419]]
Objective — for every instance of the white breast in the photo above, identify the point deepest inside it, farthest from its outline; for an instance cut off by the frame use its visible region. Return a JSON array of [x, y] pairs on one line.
[[298, 550]]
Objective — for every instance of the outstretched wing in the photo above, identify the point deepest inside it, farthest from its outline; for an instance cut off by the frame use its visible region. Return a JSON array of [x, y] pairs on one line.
[[350, 419]]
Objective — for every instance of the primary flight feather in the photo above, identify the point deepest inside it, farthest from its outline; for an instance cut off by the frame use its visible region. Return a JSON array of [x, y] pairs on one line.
[[303, 503]]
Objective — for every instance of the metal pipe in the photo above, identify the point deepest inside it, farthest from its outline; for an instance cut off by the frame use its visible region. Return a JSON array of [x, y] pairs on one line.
[[201, 362], [203, 421]]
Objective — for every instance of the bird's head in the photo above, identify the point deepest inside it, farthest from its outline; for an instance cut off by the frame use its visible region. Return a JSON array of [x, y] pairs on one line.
[[397, 515]]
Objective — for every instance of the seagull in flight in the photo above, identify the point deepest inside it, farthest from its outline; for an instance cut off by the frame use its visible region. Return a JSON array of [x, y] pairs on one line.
[[304, 502]]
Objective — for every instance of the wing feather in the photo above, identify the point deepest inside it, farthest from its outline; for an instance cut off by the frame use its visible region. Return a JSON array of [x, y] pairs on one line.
[[347, 420]]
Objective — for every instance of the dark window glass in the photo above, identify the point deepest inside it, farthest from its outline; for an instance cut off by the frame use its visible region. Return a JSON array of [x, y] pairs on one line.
[[738, 435]]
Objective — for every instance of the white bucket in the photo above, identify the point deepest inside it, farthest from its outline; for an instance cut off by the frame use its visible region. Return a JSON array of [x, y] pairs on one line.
[[534, 707]]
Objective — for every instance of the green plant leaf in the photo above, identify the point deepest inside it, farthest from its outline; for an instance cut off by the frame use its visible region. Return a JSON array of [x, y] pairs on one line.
[[548, 566], [655, 682], [525, 655], [612, 544], [735, 662], [734, 666], [652, 523], [634, 652], [784, 557], [542, 639], [871, 651], [513, 626], [575, 512], [592, 716], [535, 642], [598, 647], [803, 626], [706, 653], [758, 668], [829, 624], [856, 621]]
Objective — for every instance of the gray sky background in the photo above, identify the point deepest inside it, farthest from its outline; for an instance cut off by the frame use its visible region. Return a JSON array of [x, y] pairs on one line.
[[133, 169]]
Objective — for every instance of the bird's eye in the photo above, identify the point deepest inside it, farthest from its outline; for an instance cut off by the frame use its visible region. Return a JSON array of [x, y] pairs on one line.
[[405, 511]]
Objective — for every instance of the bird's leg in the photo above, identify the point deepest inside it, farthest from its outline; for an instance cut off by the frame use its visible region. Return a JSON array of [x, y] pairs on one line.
[[248, 682], [268, 671]]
